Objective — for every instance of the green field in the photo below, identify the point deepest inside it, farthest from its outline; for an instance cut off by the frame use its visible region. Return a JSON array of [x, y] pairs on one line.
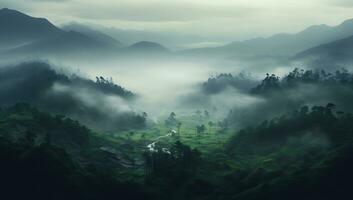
[[212, 138]]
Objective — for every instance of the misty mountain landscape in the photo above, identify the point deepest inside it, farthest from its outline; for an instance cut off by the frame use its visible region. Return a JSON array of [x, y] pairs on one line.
[[190, 100]]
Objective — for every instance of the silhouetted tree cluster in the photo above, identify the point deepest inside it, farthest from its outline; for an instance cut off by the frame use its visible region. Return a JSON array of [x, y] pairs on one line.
[[171, 121], [177, 165], [200, 129], [271, 82], [108, 86], [301, 76], [215, 85]]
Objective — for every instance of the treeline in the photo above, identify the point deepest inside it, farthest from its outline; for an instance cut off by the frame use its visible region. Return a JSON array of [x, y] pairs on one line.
[[221, 82], [301, 76]]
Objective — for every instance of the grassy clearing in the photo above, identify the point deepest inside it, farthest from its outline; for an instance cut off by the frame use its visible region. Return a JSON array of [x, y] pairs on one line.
[[213, 138]]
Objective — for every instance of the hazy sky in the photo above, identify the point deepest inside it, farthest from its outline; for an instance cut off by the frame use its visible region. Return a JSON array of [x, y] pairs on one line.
[[230, 19]]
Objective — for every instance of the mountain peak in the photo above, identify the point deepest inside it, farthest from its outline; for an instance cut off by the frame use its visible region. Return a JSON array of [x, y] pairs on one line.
[[7, 10], [348, 22], [316, 29], [11, 13], [146, 45], [16, 25]]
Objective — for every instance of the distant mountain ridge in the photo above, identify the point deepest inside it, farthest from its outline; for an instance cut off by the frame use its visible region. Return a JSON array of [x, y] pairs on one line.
[[21, 34], [24, 35], [336, 51], [281, 44], [92, 33], [15, 22], [64, 44], [17, 28], [147, 46]]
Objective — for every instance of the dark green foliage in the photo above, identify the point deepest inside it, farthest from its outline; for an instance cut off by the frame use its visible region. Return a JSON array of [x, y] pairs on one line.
[[275, 96], [180, 159], [215, 85], [43, 157], [273, 83], [302, 155], [47, 172], [109, 87], [201, 129], [168, 171], [24, 123], [171, 121]]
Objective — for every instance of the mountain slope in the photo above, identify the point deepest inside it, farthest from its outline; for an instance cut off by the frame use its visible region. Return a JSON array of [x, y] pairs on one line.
[[65, 43], [281, 44], [17, 27], [24, 35], [92, 33], [337, 51]]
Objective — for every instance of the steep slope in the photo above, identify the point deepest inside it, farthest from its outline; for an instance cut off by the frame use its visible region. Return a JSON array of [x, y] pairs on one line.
[[22, 35], [17, 28]]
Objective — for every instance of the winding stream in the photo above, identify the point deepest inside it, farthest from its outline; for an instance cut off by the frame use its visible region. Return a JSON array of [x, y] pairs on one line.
[[151, 146]]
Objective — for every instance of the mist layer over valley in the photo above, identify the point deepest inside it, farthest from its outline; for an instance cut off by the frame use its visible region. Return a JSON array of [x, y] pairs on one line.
[[90, 111]]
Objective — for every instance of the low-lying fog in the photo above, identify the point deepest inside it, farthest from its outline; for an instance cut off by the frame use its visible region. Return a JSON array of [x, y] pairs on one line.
[[160, 83], [165, 84]]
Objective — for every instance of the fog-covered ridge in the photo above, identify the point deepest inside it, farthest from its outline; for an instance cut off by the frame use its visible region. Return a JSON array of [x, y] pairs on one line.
[[99, 104]]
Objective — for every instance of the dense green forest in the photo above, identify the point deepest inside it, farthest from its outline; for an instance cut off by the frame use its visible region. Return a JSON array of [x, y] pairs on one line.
[[64, 136], [306, 154], [303, 153]]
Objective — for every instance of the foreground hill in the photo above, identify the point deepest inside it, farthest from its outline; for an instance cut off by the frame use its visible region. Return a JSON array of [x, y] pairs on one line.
[[303, 155], [54, 157]]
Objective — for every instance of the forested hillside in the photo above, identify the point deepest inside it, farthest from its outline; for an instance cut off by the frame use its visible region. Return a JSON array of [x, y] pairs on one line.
[[55, 91]]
